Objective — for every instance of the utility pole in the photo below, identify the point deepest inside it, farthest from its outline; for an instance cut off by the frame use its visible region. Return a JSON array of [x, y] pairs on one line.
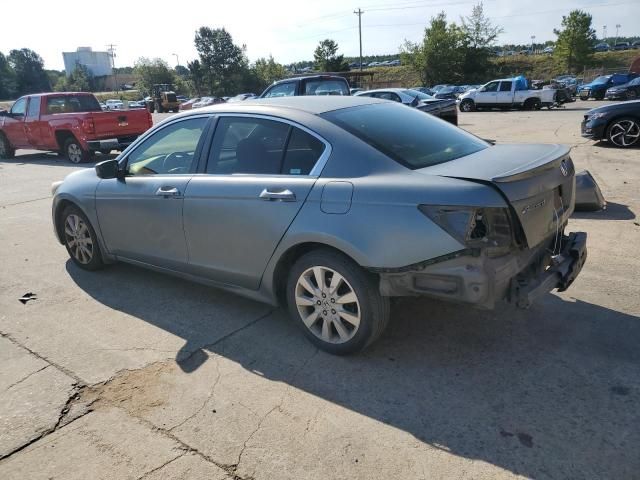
[[359, 13], [111, 48]]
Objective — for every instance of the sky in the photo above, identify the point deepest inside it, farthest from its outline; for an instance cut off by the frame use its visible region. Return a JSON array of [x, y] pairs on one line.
[[287, 29]]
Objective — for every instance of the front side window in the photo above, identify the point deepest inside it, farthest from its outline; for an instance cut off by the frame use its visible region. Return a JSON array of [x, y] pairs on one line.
[[171, 150], [34, 107], [244, 145], [505, 86], [325, 87], [406, 135], [19, 107], [282, 90], [387, 96], [490, 87]]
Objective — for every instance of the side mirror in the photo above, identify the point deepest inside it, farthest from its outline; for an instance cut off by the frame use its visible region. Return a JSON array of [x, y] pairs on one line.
[[108, 169], [4, 113], [415, 101]]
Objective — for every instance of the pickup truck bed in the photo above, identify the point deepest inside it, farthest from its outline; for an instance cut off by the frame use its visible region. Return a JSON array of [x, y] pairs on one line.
[[70, 123]]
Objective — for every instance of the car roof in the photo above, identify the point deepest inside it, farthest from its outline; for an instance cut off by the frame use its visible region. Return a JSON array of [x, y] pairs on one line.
[[314, 104], [391, 89], [310, 77]]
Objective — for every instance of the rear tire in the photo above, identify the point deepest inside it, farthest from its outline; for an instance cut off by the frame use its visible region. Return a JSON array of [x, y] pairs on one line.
[[159, 108], [74, 152], [532, 104], [80, 239], [336, 303], [6, 150]]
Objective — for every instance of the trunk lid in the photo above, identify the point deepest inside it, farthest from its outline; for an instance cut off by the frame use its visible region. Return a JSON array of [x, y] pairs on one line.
[[538, 181], [120, 123]]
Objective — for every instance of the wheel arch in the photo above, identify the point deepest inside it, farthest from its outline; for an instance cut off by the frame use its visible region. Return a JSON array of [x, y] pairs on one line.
[[289, 257], [62, 136]]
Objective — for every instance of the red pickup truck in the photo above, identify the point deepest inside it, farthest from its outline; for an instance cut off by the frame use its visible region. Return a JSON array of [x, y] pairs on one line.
[[70, 123]]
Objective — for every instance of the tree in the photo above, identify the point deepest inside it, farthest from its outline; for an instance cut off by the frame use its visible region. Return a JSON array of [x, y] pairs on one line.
[[7, 79], [326, 58], [181, 71], [80, 80], [196, 76], [151, 71], [440, 57], [221, 59], [29, 72], [575, 41], [479, 36], [268, 71]]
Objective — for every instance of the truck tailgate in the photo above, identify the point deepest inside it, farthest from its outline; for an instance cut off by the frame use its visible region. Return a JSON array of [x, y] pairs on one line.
[[121, 123]]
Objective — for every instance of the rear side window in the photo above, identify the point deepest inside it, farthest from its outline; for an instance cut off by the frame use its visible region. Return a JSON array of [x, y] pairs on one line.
[[326, 87], [505, 86], [282, 90], [408, 136], [73, 104], [258, 146]]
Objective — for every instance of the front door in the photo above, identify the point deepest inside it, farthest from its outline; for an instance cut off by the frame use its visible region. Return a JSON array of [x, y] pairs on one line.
[[258, 175], [14, 124], [140, 215], [487, 95], [32, 122]]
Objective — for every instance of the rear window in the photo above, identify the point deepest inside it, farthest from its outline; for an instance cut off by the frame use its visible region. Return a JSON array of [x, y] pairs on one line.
[[413, 138], [326, 87], [73, 104]]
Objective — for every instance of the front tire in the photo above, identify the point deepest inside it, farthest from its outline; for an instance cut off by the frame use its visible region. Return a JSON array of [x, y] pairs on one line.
[[6, 151], [74, 152], [335, 302], [80, 239], [624, 132], [467, 105]]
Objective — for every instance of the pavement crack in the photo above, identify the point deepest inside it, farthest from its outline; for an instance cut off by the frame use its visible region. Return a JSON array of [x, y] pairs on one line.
[[162, 466], [28, 376], [26, 201], [43, 358], [207, 400]]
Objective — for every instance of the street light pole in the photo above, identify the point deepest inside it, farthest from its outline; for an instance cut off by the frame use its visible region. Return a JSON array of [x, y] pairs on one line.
[[177, 58], [359, 13], [604, 33], [617, 28], [533, 37]]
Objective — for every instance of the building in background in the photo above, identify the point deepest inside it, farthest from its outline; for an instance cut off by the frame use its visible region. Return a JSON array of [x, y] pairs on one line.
[[98, 63]]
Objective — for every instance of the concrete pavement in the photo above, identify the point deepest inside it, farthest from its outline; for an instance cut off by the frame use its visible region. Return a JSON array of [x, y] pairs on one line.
[[126, 373]]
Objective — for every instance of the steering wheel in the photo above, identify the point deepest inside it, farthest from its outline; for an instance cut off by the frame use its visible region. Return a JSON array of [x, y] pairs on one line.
[[176, 162]]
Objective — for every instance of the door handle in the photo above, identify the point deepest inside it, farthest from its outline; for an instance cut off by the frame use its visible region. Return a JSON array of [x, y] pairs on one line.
[[168, 192], [285, 195]]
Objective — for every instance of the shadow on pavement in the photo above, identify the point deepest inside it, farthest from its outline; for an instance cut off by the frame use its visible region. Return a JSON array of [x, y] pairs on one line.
[[614, 211], [551, 392]]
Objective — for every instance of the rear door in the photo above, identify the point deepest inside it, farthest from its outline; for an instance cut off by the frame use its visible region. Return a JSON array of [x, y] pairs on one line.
[[140, 216], [504, 95], [487, 95], [258, 174]]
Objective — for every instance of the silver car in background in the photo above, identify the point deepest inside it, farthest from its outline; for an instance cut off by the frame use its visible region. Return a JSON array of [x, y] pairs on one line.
[[329, 205]]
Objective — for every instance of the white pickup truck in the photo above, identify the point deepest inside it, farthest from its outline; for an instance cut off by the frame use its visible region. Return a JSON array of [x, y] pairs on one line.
[[503, 94]]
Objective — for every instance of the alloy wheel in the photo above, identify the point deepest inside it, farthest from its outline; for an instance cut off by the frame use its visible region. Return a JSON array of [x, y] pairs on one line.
[[74, 152], [624, 133], [78, 239], [327, 304]]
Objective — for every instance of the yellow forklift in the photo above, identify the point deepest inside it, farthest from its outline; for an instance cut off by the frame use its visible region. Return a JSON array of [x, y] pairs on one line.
[[163, 99]]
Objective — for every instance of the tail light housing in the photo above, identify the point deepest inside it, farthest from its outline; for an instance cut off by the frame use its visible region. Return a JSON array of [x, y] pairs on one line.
[[474, 227], [88, 126]]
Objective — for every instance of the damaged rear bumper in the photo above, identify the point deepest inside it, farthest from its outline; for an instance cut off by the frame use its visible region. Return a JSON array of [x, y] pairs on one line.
[[478, 279]]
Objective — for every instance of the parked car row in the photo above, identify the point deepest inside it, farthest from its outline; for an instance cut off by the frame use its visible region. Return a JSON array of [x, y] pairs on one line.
[[615, 85]]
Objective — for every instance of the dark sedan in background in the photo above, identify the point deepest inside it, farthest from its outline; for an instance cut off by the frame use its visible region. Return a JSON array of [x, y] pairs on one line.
[[451, 92], [442, 108], [618, 124], [627, 91]]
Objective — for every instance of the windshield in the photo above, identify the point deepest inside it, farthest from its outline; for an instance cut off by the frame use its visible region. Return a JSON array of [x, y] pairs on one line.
[[416, 93], [602, 79], [408, 136]]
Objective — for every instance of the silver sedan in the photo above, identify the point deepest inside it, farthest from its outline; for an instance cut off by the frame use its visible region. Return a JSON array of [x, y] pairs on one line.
[[330, 206]]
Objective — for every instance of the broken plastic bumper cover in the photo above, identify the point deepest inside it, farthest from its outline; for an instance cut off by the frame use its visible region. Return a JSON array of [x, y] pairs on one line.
[[478, 279]]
